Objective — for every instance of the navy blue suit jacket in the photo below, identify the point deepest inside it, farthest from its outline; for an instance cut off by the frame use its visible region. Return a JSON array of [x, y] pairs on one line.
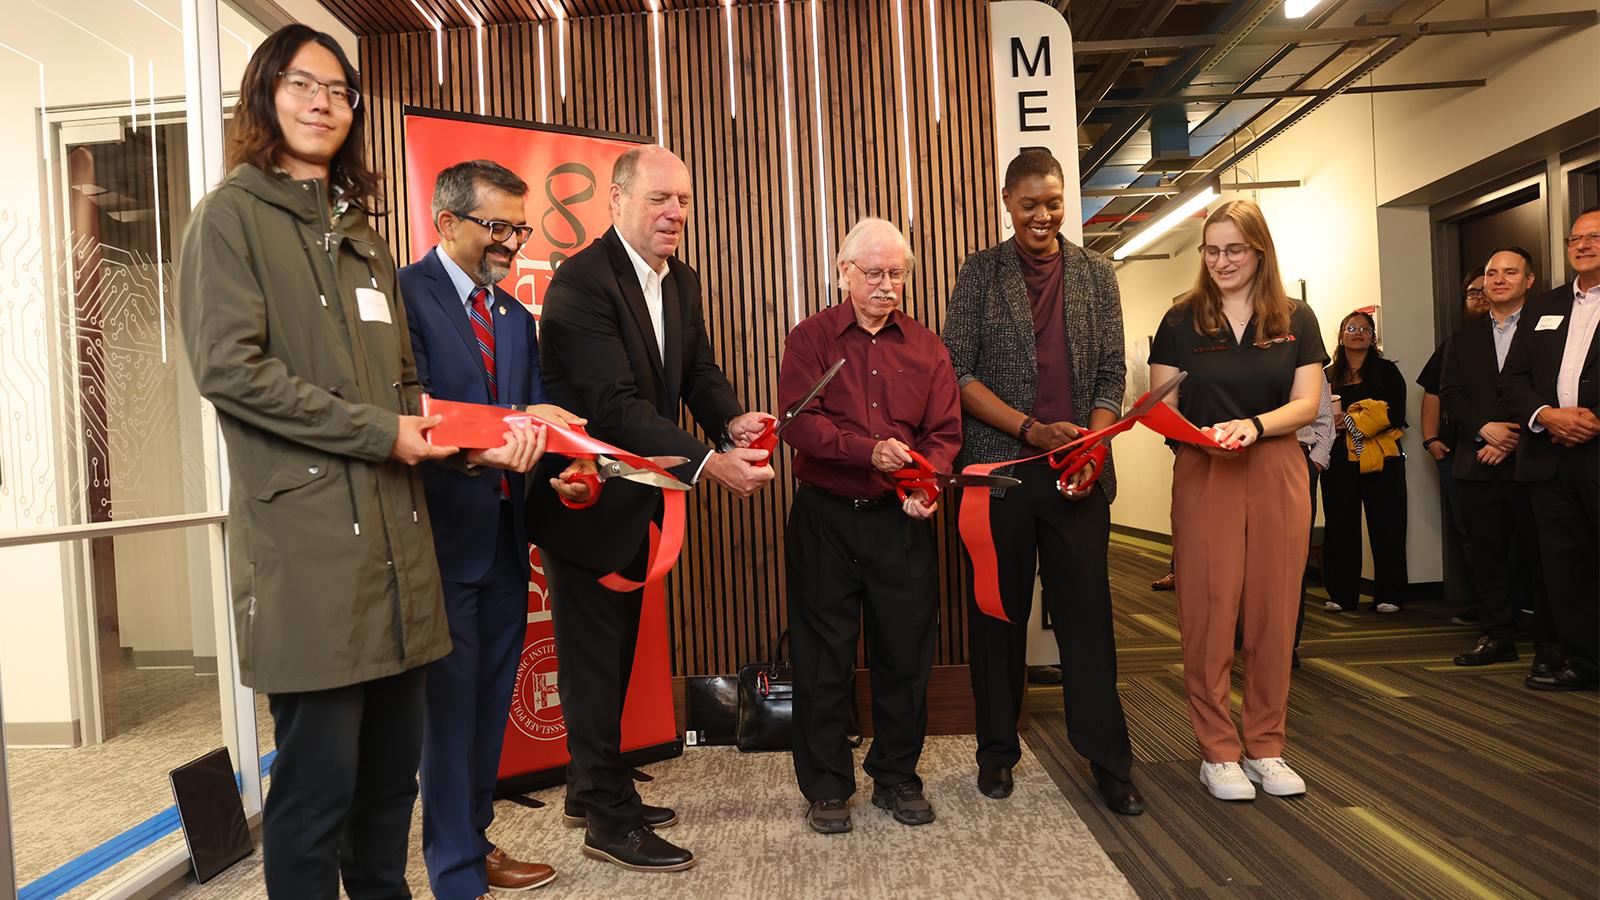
[[465, 509]]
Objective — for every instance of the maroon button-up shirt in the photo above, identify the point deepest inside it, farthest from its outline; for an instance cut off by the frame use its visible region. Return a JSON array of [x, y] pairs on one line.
[[897, 383]]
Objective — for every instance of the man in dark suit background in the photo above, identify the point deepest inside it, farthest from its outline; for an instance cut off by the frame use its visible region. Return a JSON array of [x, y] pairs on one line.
[[624, 343], [1496, 510], [1552, 384], [474, 342]]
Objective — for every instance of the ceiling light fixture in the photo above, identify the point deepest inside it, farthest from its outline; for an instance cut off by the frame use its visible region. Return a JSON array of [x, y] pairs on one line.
[[1182, 208], [1295, 9]]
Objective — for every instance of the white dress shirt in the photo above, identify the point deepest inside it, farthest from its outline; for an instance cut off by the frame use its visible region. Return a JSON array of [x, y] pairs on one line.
[[1580, 333], [650, 284]]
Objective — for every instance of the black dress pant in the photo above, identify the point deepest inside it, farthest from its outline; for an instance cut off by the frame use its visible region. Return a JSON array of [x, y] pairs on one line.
[[1036, 529], [846, 562], [596, 631], [1345, 493], [1498, 515], [1567, 508], [343, 784]]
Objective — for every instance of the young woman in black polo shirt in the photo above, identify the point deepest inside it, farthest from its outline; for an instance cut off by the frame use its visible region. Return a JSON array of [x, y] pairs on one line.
[[1240, 516]]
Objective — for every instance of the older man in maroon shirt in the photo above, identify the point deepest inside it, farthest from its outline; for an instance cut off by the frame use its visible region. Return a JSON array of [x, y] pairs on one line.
[[853, 546]]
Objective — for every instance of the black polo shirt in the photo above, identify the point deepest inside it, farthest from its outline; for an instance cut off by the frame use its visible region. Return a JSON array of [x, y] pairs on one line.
[[1235, 380]]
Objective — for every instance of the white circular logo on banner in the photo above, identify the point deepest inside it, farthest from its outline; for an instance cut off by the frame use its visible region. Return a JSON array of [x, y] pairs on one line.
[[536, 702]]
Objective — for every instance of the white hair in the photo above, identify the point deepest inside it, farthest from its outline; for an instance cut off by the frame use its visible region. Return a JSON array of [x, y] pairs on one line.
[[866, 231]]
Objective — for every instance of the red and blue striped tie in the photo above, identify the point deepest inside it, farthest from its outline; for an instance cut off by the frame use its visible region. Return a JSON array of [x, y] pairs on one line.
[[478, 312]]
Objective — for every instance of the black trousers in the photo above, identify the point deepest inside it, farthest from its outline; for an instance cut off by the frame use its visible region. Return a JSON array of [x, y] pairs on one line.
[[596, 631], [1567, 508], [1498, 515], [1345, 493], [343, 784], [845, 563], [1065, 542]]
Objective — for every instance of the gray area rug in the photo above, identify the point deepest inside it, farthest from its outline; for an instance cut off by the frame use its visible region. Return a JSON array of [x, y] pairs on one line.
[[744, 818]]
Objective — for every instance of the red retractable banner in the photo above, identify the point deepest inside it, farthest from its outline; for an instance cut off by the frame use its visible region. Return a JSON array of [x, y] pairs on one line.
[[569, 175]]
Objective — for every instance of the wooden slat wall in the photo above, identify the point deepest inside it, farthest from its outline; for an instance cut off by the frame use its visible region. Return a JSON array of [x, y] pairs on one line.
[[726, 594]]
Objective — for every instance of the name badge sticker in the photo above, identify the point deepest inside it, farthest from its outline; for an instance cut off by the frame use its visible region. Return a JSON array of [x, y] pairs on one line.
[[1548, 323], [373, 306]]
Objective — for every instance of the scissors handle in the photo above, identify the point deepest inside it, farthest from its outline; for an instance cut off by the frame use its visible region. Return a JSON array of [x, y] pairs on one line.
[[589, 478], [766, 439], [1073, 463], [917, 477]]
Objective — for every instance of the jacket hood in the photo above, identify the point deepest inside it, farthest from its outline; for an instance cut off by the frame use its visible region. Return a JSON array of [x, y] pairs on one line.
[[304, 199]]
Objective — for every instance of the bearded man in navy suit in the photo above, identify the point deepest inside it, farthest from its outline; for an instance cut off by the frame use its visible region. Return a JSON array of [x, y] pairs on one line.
[[474, 342]]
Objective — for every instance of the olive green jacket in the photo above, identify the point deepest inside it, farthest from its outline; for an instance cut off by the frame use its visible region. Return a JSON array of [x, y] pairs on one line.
[[330, 554]]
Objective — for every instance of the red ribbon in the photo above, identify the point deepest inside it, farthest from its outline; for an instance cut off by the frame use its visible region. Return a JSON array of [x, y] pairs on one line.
[[480, 427], [1069, 458]]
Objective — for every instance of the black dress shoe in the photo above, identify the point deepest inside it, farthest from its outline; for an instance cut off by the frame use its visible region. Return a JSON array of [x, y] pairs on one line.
[[994, 781], [1488, 650], [1547, 659], [654, 816], [1119, 796], [640, 850], [905, 801], [1044, 674], [1566, 678], [830, 816]]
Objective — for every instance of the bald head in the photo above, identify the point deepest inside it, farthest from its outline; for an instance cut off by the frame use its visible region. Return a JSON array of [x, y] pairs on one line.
[[650, 196]]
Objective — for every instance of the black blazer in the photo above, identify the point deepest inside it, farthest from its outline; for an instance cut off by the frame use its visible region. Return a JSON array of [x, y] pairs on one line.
[[597, 350], [1529, 382], [1469, 390]]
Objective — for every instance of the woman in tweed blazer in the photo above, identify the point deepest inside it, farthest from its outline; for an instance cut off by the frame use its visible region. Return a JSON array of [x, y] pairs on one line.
[[1034, 330]]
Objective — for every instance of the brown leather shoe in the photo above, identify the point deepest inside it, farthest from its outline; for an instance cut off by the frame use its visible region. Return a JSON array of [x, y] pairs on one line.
[[1165, 583], [507, 874]]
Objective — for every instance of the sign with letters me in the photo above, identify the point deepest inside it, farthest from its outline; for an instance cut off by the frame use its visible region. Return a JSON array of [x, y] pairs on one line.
[[1030, 51]]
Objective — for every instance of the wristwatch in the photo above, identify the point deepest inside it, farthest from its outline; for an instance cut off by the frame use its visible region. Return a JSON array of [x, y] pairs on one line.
[[1022, 432], [1260, 431]]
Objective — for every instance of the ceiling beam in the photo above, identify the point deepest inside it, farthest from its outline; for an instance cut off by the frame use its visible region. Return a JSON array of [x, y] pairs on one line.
[[1167, 190], [1285, 95], [1576, 18]]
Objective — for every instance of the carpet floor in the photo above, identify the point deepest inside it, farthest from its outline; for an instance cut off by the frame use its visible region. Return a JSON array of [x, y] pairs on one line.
[[744, 818]]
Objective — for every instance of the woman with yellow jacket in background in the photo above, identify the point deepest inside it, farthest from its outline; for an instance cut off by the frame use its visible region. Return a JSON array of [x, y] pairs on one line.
[[1367, 471]]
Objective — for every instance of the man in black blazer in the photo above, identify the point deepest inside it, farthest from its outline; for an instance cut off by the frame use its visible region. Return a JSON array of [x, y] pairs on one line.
[[623, 343], [1552, 384], [1496, 510]]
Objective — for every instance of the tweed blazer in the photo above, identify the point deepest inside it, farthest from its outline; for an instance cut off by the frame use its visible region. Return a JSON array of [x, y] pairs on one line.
[[988, 330]]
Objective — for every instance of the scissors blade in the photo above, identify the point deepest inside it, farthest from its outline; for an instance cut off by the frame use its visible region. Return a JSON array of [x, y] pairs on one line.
[[1156, 395], [795, 410], [608, 468], [962, 479]]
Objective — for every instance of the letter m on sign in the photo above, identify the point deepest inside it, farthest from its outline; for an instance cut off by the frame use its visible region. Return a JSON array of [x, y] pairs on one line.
[[1020, 60]]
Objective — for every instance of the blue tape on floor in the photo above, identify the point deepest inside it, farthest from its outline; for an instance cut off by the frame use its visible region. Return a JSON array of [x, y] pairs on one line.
[[111, 852]]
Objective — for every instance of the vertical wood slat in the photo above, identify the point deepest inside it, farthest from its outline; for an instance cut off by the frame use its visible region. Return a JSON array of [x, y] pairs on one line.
[[726, 594]]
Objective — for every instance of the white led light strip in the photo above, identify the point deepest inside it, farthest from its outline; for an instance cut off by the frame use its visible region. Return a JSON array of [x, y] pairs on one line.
[[438, 38], [1165, 223], [822, 163], [655, 42], [133, 81], [477, 26], [561, 45], [544, 80], [905, 117], [733, 93], [933, 54], [155, 194], [788, 159]]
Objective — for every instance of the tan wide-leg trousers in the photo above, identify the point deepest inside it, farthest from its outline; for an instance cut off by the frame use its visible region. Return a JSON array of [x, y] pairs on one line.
[[1239, 527]]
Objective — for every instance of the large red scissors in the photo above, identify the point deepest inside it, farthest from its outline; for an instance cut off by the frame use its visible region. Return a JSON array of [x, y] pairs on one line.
[[921, 477], [767, 438], [1072, 458]]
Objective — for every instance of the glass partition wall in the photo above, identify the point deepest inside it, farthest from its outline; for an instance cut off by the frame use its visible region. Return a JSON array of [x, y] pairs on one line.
[[116, 661]]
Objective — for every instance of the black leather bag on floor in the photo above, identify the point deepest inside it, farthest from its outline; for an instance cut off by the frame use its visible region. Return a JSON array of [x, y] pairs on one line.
[[711, 709], [766, 705]]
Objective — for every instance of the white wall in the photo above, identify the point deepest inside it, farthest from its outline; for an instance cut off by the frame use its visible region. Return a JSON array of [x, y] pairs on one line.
[[1332, 232]]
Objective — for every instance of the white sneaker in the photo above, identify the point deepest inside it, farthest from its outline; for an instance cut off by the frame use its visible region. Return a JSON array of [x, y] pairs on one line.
[[1274, 776], [1332, 606], [1387, 608], [1226, 781]]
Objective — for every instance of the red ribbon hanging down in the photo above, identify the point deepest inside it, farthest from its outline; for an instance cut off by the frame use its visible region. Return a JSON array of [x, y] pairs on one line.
[[1069, 458], [477, 426]]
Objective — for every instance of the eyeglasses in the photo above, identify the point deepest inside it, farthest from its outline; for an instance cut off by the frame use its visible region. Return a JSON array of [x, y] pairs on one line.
[[1590, 238], [875, 276], [499, 231], [1357, 329], [301, 84], [1234, 252], [1475, 292]]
